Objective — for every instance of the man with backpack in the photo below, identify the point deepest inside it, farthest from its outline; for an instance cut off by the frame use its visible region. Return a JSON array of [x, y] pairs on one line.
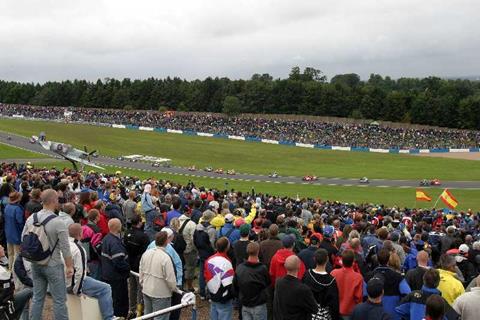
[[47, 266], [184, 241], [228, 230]]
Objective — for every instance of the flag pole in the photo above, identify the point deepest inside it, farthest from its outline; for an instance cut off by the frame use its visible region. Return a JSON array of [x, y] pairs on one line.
[[435, 205]]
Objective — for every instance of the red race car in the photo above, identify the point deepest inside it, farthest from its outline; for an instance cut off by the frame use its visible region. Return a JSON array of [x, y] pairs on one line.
[[435, 182], [310, 178]]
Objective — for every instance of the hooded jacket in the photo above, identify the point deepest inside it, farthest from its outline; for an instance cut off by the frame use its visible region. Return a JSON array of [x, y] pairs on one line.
[[204, 240], [277, 265], [450, 286], [325, 291], [412, 306], [14, 223]]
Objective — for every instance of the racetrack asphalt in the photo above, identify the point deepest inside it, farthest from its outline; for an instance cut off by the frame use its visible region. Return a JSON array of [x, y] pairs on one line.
[[24, 143]]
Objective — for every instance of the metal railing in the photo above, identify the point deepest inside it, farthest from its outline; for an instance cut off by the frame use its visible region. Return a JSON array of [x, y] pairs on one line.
[[169, 309]]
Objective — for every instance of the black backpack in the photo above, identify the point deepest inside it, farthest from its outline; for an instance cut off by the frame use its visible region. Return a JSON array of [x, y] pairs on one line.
[[201, 240], [179, 243]]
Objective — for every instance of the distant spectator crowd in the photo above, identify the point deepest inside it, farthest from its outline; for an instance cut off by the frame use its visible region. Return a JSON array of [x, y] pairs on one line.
[[301, 131], [269, 257]]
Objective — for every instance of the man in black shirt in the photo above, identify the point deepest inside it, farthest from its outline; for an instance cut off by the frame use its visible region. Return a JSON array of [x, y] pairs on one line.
[[293, 300], [240, 247], [414, 277], [251, 281]]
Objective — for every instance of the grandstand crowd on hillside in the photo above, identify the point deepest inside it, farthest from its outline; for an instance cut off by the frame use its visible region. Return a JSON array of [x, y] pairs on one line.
[[270, 257], [301, 131]]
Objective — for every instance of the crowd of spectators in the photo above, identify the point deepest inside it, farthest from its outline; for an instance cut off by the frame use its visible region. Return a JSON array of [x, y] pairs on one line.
[[301, 131], [270, 257]]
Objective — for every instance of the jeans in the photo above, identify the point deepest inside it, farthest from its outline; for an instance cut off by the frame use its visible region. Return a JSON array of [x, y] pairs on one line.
[[156, 304], [54, 278], [255, 313], [201, 279], [221, 311], [149, 230], [20, 301], [102, 292]]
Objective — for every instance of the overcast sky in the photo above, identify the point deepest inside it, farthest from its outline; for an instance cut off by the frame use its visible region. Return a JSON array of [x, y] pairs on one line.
[[42, 40]]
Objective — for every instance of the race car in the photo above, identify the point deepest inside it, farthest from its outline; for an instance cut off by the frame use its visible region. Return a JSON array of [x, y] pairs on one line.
[[435, 182], [424, 183], [208, 169], [231, 172], [156, 164], [32, 140], [364, 180], [273, 175], [310, 178], [192, 168], [219, 171], [120, 158]]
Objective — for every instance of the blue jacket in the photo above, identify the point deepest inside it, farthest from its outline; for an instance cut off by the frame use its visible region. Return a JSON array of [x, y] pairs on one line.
[[395, 287], [371, 240], [229, 230], [412, 306], [114, 259], [14, 223]]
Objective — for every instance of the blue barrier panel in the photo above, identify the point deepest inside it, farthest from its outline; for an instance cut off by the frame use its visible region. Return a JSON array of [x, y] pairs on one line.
[[132, 127], [360, 149], [160, 129], [319, 146], [474, 149], [253, 139], [220, 135], [439, 150], [393, 150], [414, 151], [190, 133], [286, 143]]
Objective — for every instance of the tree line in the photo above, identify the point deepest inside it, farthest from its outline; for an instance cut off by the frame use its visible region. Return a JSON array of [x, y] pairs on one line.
[[430, 101]]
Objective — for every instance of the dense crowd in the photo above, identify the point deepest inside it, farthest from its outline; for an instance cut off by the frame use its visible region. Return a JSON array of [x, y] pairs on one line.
[[141, 246], [301, 131]]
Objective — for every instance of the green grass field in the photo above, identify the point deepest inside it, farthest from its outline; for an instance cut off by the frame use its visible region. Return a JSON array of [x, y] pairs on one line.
[[249, 157], [8, 152], [252, 157]]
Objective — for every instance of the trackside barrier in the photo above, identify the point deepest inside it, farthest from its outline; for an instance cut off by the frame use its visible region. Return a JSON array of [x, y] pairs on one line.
[[255, 139], [182, 305]]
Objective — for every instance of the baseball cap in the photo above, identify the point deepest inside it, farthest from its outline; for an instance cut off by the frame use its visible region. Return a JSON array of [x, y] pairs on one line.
[[168, 231], [244, 230], [463, 248], [328, 231], [288, 241], [375, 287], [229, 217]]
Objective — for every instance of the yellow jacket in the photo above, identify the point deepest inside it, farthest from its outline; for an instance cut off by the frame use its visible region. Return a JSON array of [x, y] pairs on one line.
[[450, 286], [218, 221]]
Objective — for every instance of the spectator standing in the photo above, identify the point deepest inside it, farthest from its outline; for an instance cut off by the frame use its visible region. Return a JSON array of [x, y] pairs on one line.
[[349, 283], [66, 214], [157, 277], [149, 210], [115, 267], [33, 205], [190, 254], [372, 309], [293, 300], [52, 274], [252, 281], [228, 229], [414, 277], [269, 247], [468, 304], [324, 287], [413, 305], [219, 276], [307, 255], [240, 247], [129, 207], [435, 309], [277, 265], [136, 242], [175, 212], [14, 223], [81, 283], [22, 276], [449, 285]]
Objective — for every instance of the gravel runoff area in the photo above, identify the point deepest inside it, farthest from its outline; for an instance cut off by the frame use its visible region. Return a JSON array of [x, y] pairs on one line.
[[453, 155]]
